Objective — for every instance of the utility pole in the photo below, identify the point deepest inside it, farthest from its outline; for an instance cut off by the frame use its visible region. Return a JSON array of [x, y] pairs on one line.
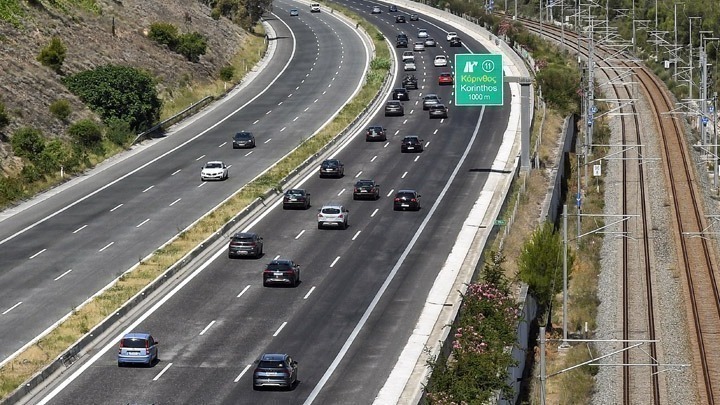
[[565, 343], [692, 60]]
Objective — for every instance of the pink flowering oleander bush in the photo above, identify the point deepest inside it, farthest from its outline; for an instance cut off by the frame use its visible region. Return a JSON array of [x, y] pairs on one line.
[[478, 362]]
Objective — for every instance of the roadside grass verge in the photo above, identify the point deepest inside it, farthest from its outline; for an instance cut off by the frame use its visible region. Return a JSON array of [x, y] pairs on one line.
[[83, 319]]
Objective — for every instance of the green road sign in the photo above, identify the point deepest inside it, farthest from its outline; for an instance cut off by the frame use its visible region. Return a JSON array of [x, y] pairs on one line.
[[500, 222], [479, 79]]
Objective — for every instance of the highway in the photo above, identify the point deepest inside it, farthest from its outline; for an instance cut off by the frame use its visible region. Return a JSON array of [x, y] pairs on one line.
[[217, 321], [60, 250]]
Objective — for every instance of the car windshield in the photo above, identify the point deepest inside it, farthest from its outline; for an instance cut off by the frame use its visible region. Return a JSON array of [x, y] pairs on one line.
[[213, 165], [242, 135], [134, 343], [365, 183], [241, 240], [294, 192], [411, 140], [331, 210], [330, 163], [393, 104]]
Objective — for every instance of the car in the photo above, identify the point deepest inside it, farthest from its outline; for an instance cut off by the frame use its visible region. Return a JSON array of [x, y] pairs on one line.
[[438, 111], [275, 370], [366, 189], [392, 8], [406, 200], [296, 197], [333, 215], [214, 170], [294, 12], [422, 33], [137, 347], [414, 17], [243, 139], [314, 8], [411, 143], [375, 133], [419, 46], [440, 61], [445, 78], [409, 66], [401, 41], [332, 167], [281, 271], [430, 99], [455, 42], [451, 35], [401, 94], [245, 244], [394, 107], [410, 82], [408, 56], [400, 19], [376, 10], [430, 42]]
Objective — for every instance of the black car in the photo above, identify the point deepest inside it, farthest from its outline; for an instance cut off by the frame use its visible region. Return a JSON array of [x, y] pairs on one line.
[[400, 19], [245, 244], [455, 42], [243, 140], [406, 200], [275, 370], [411, 144], [413, 17], [438, 111], [375, 133], [410, 82], [281, 271], [296, 197], [401, 41], [332, 167], [400, 94], [394, 107], [392, 8], [366, 189]]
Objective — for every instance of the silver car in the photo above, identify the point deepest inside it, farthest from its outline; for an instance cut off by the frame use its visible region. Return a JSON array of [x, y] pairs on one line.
[[422, 33], [275, 370], [333, 215], [137, 348], [419, 47]]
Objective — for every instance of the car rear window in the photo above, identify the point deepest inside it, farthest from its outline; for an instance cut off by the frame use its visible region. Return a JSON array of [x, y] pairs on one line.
[[294, 192], [134, 343], [278, 266], [406, 195], [363, 184], [270, 364], [242, 135], [330, 210]]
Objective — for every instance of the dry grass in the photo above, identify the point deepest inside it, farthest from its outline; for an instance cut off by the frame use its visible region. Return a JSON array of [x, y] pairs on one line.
[[129, 284]]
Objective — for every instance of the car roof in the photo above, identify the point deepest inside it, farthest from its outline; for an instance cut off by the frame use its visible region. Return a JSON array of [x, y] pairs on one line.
[[214, 162], [273, 357], [393, 102], [441, 57], [281, 261], [365, 181], [295, 190], [244, 235], [406, 191], [411, 137], [331, 161], [331, 206], [137, 335], [437, 106]]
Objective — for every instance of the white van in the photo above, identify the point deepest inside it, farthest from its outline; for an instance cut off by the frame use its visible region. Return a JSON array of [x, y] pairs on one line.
[[314, 8]]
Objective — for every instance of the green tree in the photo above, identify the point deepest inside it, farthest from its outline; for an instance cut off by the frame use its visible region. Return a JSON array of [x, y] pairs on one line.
[[53, 55], [164, 33], [61, 109], [560, 86], [86, 133], [121, 92], [28, 142], [191, 45], [540, 264]]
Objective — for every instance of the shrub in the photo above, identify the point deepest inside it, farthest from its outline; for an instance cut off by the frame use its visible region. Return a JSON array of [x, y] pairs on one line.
[[559, 84], [86, 133], [53, 55], [164, 33], [192, 46], [11, 189], [61, 109], [380, 63], [55, 155], [28, 142], [227, 73], [30, 173], [118, 131], [215, 14]]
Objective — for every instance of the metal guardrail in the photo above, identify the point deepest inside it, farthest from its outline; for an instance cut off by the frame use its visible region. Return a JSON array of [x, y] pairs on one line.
[[175, 118]]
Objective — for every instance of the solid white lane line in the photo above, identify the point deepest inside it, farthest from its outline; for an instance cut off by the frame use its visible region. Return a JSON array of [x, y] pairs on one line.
[[390, 193], [374, 212], [356, 235], [256, 121], [11, 308], [341, 191], [116, 207], [403, 176], [174, 202], [300, 234], [62, 275], [80, 229], [277, 332], [202, 332], [106, 246], [247, 287], [309, 292], [142, 223], [334, 261], [249, 153], [157, 377], [358, 175], [373, 159], [242, 373], [200, 158], [175, 172], [222, 144], [37, 254]]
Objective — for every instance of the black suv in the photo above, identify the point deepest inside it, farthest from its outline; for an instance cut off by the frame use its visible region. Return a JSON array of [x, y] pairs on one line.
[[413, 17], [411, 144], [400, 19], [245, 244], [410, 82], [455, 42], [401, 41], [281, 271], [366, 189], [296, 197], [332, 167], [406, 200], [401, 94], [438, 111], [243, 140], [394, 107], [392, 8], [375, 133]]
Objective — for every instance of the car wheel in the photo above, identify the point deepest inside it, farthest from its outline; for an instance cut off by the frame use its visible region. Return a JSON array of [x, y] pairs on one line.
[[345, 225], [265, 283], [121, 364], [230, 256], [355, 197], [319, 225], [395, 208]]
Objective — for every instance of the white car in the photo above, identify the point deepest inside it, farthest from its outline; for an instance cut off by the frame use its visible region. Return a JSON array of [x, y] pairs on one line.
[[333, 215], [422, 33], [376, 10], [314, 8], [419, 46], [451, 35], [214, 170], [408, 56], [440, 61], [410, 66]]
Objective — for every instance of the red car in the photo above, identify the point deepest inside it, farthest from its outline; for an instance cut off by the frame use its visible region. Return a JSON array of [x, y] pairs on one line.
[[445, 78]]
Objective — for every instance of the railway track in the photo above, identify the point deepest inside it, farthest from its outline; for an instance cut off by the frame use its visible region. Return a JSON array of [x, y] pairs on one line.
[[695, 257]]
